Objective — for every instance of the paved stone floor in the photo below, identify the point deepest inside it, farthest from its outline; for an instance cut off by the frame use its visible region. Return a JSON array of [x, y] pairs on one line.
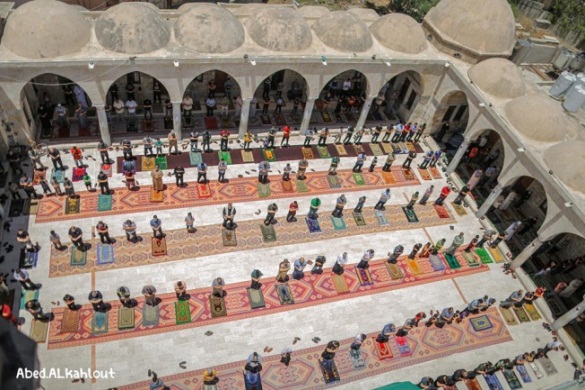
[[235, 340]]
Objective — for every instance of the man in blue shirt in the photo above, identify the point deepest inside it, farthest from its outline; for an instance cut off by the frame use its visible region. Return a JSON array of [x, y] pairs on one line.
[[156, 225]]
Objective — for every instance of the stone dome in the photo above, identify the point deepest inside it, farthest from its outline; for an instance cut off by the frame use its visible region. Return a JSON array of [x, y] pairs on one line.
[[313, 11], [343, 31], [498, 77], [279, 29], [208, 28], [31, 30], [480, 26], [399, 32], [365, 14], [132, 28], [561, 156], [538, 118]]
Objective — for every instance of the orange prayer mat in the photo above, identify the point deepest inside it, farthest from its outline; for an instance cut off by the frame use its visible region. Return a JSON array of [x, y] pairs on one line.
[[237, 190], [311, 290], [426, 344], [208, 239]]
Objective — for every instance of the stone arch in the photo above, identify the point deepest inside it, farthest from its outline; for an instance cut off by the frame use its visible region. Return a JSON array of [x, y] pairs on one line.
[[287, 76], [451, 118], [401, 95]]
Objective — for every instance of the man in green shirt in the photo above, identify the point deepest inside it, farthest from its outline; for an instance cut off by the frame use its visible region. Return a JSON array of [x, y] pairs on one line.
[[87, 181]]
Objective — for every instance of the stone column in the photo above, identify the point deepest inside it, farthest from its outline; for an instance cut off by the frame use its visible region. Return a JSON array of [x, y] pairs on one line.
[[457, 158], [103, 124], [177, 120], [307, 115], [526, 253], [569, 316], [364, 113], [244, 116], [489, 201]]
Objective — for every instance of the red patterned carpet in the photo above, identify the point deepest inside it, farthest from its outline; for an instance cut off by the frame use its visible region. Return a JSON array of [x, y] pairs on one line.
[[208, 240], [312, 290], [304, 372], [237, 190]]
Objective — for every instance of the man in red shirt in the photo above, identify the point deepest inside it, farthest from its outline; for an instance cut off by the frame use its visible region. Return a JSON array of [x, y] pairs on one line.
[[6, 313], [285, 137], [292, 211], [445, 191], [77, 155]]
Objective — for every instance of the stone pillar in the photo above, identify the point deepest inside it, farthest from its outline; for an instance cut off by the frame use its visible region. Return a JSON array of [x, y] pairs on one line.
[[364, 113], [177, 120], [526, 253], [244, 116], [489, 201], [457, 158], [569, 316], [307, 115], [103, 124]]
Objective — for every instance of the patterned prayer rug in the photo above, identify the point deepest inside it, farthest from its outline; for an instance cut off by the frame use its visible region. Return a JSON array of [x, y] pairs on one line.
[[78, 174], [203, 191], [329, 371], [341, 149], [376, 150], [521, 314], [408, 174], [451, 261], [338, 223], [403, 346], [403, 147], [394, 270], [156, 196], [437, 263], [269, 154], [308, 152], [359, 219], [182, 312], [483, 256], [147, 163], [410, 215], [126, 318], [470, 258], [70, 322], [410, 146], [104, 202], [29, 259], [524, 373], [413, 266], [107, 169], [285, 295], [359, 179], [323, 152], [339, 283], [39, 330], [287, 186], [381, 217], [364, 276], [301, 186], [256, 298], [383, 350], [357, 360], [105, 254], [313, 225], [496, 255], [226, 156], [228, 237], [264, 190], [358, 149], [387, 146], [99, 324], [424, 174], [481, 323], [77, 258], [162, 162], [268, 233], [508, 316], [512, 379], [38, 176], [150, 315], [441, 211], [493, 382], [532, 312], [72, 206], [196, 158], [158, 246], [459, 209], [247, 156], [333, 181], [472, 384], [217, 306], [435, 173], [389, 177]]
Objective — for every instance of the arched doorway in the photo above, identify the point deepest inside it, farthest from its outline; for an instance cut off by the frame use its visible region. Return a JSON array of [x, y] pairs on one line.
[[55, 100], [450, 122], [341, 100], [398, 98], [523, 200], [216, 102], [279, 100], [136, 101], [483, 160]]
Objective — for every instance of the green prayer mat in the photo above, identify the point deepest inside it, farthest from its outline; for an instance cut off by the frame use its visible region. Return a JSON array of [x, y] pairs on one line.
[[359, 179], [255, 298], [78, 258], [338, 223], [226, 156], [28, 295], [452, 261], [72, 205], [410, 215], [126, 318], [161, 161], [195, 158], [323, 152], [381, 217], [150, 315], [182, 312], [301, 186], [333, 181], [376, 150], [521, 314], [99, 323], [264, 190], [470, 258], [59, 175], [104, 202], [269, 155], [359, 219], [483, 256], [268, 233]]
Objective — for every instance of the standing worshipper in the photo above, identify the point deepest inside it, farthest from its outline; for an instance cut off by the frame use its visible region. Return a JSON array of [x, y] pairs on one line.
[[156, 225], [286, 172], [436, 158], [206, 144], [445, 191], [157, 179], [202, 173], [360, 204], [179, 172], [462, 194], [426, 195], [263, 169], [472, 244], [511, 230], [487, 236], [414, 251], [373, 164], [333, 166], [189, 222], [221, 170], [229, 214], [303, 165], [474, 180], [457, 242], [173, 143], [292, 211], [411, 156], [389, 160], [340, 204], [103, 183], [103, 233], [361, 158], [384, 197], [413, 200], [426, 160]]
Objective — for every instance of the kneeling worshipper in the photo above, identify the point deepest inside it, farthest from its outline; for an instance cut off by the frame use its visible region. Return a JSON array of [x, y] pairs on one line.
[[283, 269], [339, 263], [386, 332], [210, 377], [217, 287], [329, 354], [96, 299], [365, 261], [298, 272]]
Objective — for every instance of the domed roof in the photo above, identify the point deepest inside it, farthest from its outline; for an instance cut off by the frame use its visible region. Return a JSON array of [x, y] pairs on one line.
[[538, 118], [365, 14], [478, 25], [279, 29], [399, 32], [561, 156], [498, 77], [32, 31], [132, 28], [208, 28], [343, 31], [313, 11]]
